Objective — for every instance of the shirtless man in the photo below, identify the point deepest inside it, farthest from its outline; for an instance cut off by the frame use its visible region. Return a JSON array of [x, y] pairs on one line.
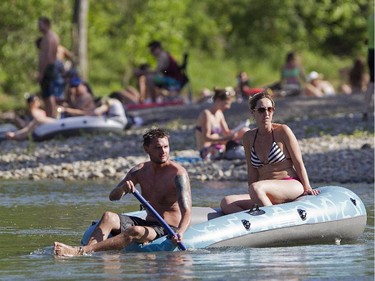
[[164, 184], [47, 58], [80, 100]]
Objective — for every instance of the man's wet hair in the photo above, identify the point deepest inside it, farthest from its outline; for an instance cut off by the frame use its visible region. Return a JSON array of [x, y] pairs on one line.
[[155, 133]]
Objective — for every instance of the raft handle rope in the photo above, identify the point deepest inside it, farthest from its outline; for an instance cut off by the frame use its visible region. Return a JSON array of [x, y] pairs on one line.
[[302, 214], [255, 211], [353, 201]]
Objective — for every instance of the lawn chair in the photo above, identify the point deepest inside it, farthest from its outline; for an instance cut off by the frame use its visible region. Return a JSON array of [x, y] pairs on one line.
[[173, 93]]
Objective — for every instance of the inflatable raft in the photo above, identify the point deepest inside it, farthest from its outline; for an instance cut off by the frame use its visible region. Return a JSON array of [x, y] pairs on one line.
[[335, 214], [7, 127], [133, 107], [77, 125]]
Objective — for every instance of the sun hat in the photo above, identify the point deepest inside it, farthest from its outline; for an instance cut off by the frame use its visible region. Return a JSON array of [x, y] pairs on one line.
[[312, 76]]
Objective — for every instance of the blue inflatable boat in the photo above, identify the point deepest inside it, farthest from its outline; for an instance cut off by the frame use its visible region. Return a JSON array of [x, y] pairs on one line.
[[336, 214]]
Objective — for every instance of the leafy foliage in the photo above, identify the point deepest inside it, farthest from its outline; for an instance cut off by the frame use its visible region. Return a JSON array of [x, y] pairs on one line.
[[245, 34]]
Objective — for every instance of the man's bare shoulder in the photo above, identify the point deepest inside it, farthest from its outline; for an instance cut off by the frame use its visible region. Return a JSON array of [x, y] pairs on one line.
[[138, 169], [179, 169]]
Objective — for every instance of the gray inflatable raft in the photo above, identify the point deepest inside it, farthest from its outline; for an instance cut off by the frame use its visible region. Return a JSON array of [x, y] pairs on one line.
[[77, 125], [335, 214]]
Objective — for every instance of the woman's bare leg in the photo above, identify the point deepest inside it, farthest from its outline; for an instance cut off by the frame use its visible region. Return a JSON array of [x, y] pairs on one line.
[[269, 192], [236, 203]]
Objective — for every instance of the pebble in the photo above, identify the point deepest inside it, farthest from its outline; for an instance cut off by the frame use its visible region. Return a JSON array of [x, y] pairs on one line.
[[336, 148]]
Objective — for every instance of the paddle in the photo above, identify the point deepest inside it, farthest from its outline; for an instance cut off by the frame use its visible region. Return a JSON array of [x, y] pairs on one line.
[[159, 218]]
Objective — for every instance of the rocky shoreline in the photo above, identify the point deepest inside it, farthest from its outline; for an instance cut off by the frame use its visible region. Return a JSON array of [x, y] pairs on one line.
[[337, 146]]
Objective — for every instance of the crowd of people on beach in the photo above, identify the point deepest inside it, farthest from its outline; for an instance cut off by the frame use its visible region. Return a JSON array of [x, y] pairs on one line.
[[64, 94]]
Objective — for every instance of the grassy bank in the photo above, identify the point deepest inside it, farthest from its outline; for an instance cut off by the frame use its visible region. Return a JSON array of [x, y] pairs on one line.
[[206, 72]]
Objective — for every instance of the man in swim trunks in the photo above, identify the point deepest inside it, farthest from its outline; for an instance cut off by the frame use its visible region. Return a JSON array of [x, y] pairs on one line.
[[47, 68], [164, 184]]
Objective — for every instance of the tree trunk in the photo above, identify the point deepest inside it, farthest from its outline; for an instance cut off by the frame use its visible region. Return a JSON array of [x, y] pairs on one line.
[[81, 8]]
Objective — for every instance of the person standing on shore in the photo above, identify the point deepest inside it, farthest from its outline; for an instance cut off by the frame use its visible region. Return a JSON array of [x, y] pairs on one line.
[[47, 67], [275, 169], [164, 183]]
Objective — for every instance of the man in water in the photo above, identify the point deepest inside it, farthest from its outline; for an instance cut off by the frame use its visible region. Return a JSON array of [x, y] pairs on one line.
[[164, 184]]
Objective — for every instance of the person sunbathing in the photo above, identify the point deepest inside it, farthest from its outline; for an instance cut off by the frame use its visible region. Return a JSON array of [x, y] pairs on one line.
[[213, 137], [39, 116]]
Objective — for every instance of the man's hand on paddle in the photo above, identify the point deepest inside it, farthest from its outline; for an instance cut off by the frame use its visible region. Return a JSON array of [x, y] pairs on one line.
[[177, 239], [127, 186], [124, 186]]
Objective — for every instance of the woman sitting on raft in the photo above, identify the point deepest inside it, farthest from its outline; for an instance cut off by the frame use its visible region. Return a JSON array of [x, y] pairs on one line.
[[276, 172]]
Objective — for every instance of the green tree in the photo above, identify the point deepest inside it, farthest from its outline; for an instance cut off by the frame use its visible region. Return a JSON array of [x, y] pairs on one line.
[[18, 53], [236, 32]]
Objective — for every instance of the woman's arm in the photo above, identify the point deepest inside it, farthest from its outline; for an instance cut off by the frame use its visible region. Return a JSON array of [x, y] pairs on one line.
[[207, 129], [224, 125], [302, 73], [294, 150], [77, 112]]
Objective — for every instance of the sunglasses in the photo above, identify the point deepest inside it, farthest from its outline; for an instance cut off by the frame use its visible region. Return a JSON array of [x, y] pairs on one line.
[[264, 109]]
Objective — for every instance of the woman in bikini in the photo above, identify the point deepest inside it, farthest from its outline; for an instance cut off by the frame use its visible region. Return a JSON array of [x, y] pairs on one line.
[[211, 130], [276, 172]]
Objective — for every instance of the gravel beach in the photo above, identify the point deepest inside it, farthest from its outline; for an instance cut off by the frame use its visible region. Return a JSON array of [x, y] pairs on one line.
[[337, 146]]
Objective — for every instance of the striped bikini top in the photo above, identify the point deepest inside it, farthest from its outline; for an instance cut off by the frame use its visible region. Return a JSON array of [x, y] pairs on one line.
[[275, 155]]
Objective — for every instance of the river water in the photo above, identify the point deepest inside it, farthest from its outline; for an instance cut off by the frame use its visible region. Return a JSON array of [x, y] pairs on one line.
[[35, 214]]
